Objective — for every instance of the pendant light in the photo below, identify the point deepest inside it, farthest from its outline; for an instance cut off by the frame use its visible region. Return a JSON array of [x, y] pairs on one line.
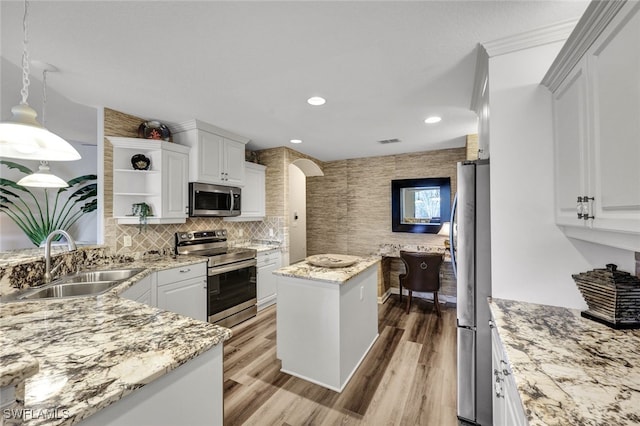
[[23, 137], [43, 178]]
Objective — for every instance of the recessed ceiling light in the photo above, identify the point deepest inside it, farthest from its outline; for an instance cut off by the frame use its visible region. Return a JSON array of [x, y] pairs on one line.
[[433, 119], [296, 141], [316, 101]]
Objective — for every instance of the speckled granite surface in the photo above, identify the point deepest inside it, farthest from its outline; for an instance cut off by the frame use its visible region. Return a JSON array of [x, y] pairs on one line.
[[23, 273], [260, 245], [92, 351], [570, 370], [15, 363], [333, 275], [393, 250]]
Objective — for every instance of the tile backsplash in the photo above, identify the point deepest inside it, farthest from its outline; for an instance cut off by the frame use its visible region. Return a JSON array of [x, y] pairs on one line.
[[160, 237]]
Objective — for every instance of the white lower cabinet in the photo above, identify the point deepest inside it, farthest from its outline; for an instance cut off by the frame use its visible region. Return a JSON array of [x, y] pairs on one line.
[[184, 291], [143, 291], [507, 406], [267, 289], [181, 290]]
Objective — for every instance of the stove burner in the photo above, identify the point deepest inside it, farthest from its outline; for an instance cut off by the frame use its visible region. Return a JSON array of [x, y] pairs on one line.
[[213, 245]]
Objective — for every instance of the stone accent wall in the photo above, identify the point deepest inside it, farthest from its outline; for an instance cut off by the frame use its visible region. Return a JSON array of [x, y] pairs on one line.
[[349, 208], [472, 147], [277, 161]]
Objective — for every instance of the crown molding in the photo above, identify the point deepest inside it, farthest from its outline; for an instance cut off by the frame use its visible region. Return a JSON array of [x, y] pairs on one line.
[[538, 37], [480, 79], [196, 124], [596, 17]]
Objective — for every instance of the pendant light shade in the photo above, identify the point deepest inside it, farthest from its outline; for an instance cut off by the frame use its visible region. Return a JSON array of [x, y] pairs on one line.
[[23, 137], [43, 179]]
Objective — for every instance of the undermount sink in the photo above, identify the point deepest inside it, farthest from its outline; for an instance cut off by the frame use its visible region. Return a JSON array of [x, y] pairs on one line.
[[88, 283], [70, 290], [95, 276]]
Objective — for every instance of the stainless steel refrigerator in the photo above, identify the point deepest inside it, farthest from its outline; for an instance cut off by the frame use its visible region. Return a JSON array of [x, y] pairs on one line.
[[471, 256]]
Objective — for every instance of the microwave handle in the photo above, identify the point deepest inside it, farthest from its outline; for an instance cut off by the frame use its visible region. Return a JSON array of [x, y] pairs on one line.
[[232, 201]]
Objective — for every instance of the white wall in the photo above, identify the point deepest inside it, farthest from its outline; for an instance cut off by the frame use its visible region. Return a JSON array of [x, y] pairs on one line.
[[532, 260], [85, 230], [297, 207]]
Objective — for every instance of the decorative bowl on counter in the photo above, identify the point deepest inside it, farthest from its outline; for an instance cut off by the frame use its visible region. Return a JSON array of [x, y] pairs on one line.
[[613, 296], [332, 260]]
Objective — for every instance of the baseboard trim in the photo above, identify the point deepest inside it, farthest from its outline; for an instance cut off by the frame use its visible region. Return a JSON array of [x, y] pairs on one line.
[[426, 296], [384, 297]]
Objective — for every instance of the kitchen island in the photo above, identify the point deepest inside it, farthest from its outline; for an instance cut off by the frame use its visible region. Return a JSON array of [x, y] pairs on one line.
[[569, 370], [108, 360], [327, 319]]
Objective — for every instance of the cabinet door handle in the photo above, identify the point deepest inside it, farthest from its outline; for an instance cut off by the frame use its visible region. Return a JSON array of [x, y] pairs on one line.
[[580, 207], [587, 207], [182, 271]]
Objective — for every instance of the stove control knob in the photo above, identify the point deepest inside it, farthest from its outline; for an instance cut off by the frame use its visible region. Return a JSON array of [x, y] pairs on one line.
[[190, 236], [183, 236]]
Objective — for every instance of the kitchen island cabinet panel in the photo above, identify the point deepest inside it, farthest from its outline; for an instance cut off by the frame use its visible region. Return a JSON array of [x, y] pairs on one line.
[[326, 328]]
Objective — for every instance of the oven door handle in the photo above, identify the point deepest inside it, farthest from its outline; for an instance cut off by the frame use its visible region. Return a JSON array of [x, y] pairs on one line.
[[216, 270]]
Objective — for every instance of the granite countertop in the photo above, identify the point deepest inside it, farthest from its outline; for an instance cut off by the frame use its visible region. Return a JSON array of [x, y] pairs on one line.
[[16, 364], [92, 351], [260, 245], [570, 370], [332, 275]]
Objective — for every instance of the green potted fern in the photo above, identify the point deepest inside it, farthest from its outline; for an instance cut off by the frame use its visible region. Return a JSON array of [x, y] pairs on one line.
[[38, 212]]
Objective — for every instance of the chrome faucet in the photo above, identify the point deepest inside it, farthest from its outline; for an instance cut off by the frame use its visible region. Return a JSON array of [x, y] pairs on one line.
[[71, 246]]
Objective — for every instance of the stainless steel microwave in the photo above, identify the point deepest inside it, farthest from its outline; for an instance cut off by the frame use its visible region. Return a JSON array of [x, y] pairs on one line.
[[213, 200]]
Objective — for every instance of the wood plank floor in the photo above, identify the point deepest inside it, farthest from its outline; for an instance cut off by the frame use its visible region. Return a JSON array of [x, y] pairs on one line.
[[408, 377]]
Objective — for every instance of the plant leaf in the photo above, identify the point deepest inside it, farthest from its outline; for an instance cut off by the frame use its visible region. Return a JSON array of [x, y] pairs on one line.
[[12, 184], [12, 165]]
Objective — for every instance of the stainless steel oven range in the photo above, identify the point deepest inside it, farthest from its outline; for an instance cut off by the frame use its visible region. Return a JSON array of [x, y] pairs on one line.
[[231, 275]]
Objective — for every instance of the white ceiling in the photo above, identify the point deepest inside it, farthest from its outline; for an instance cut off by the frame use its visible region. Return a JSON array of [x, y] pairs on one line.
[[249, 67]]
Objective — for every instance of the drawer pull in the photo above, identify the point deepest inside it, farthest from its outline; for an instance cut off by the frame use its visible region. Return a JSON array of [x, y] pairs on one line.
[[182, 271]]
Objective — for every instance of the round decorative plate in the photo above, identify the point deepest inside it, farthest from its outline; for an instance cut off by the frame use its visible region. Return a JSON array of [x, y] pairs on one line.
[[140, 162], [332, 260], [154, 130]]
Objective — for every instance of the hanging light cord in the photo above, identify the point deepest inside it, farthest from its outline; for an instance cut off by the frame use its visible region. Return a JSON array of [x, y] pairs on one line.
[[25, 57], [44, 97]]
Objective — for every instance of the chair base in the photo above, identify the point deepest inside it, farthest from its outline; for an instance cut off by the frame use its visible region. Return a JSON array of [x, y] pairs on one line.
[[435, 301]]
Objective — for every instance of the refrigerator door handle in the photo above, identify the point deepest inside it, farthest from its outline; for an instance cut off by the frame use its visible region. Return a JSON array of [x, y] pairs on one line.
[[452, 240]]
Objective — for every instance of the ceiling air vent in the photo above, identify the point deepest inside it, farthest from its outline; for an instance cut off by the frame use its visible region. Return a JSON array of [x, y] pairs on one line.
[[386, 141]]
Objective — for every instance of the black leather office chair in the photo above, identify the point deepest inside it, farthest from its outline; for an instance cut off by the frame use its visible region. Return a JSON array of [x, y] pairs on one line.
[[423, 274]]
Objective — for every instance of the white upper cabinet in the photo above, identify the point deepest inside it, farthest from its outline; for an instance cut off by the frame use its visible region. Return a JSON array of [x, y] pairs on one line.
[[570, 116], [164, 186], [253, 194], [217, 156], [596, 103], [614, 63]]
